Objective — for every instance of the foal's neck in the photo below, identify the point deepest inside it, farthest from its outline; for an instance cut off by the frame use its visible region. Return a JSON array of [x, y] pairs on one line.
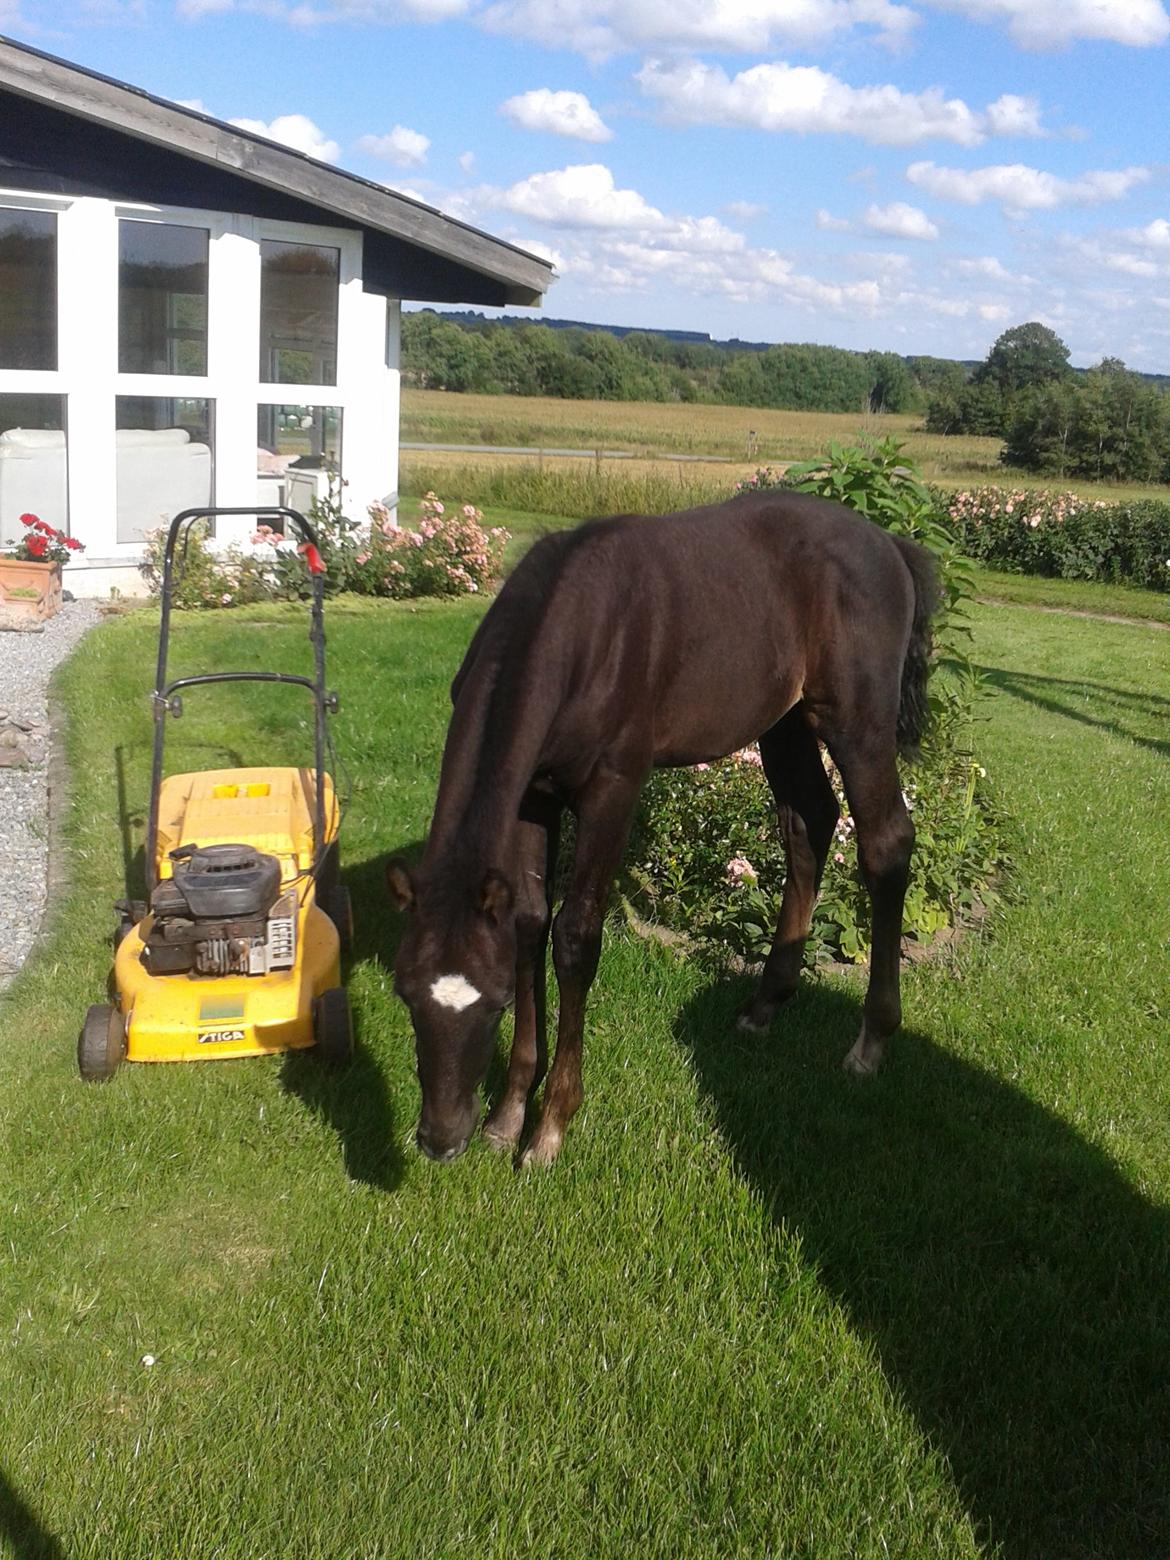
[[493, 750]]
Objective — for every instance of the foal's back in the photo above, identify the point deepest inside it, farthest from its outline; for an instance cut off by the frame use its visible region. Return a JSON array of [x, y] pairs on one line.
[[705, 626]]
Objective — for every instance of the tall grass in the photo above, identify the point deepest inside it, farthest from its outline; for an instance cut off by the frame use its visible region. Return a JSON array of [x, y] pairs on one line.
[[582, 489], [746, 436]]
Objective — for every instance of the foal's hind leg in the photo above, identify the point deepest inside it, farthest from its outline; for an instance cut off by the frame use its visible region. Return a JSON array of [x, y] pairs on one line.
[[807, 811], [536, 867], [885, 838]]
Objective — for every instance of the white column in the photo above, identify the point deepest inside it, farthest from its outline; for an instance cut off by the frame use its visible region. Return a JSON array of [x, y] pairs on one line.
[[233, 350], [393, 414], [370, 432], [88, 360]]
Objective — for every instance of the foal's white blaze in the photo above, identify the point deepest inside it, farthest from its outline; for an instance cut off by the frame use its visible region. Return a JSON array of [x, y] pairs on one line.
[[453, 991]]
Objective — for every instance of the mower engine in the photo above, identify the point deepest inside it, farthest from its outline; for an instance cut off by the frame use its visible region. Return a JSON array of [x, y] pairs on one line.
[[221, 913]]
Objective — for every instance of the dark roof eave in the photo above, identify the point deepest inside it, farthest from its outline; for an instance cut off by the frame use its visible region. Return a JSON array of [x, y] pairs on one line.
[[29, 73]]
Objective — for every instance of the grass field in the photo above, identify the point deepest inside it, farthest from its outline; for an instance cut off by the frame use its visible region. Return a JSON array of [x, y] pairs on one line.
[[755, 1310], [662, 429]]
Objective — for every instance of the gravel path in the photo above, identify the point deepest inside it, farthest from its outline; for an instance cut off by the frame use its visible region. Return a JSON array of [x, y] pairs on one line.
[[26, 663]]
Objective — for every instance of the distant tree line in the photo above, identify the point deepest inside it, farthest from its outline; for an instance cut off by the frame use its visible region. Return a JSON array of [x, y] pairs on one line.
[[1105, 423], [581, 364]]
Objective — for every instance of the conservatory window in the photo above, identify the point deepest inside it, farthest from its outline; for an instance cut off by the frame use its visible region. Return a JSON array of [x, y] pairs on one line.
[[28, 289], [298, 313], [162, 298], [33, 476], [164, 460]]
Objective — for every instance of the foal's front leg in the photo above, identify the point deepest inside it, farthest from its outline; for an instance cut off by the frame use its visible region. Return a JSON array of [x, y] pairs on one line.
[[540, 820], [605, 810]]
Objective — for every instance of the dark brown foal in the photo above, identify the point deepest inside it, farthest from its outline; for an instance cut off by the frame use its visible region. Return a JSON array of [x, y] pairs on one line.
[[631, 643]]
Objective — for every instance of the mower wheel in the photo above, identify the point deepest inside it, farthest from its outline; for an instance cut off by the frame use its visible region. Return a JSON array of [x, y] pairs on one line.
[[333, 1027], [101, 1044], [339, 909], [130, 913]]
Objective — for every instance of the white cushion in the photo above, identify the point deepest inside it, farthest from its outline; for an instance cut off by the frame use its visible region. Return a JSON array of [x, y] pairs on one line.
[[35, 438], [150, 438]]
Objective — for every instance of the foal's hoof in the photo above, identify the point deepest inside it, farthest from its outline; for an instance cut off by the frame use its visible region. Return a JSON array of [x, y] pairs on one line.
[[543, 1149], [865, 1058], [502, 1129], [755, 1018]]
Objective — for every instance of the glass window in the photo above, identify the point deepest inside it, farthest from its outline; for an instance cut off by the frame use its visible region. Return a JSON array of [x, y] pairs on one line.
[[33, 477], [28, 289], [164, 458], [162, 298], [304, 437], [298, 313]]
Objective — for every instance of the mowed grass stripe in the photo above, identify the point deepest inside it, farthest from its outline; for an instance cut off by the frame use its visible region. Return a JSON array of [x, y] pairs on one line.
[[754, 1310]]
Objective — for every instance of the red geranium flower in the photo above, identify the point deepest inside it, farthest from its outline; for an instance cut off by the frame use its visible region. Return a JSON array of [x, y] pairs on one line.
[[29, 520], [36, 545], [45, 528], [72, 543]]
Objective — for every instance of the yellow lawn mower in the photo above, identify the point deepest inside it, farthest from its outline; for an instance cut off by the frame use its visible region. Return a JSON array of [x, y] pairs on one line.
[[237, 949]]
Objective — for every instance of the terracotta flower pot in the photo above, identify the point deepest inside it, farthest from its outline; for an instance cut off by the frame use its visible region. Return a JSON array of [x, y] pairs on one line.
[[30, 589]]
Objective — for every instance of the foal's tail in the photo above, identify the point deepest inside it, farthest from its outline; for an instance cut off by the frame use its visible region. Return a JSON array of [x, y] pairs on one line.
[[913, 708]]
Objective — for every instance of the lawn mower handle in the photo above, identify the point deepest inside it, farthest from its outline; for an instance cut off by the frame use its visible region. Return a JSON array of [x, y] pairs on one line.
[[164, 692]]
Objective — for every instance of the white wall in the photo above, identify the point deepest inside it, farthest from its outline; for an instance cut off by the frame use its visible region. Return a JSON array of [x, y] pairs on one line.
[[367, 389]]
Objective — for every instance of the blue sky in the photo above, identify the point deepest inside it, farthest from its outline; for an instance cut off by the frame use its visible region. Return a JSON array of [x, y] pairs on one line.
[[914, 175]]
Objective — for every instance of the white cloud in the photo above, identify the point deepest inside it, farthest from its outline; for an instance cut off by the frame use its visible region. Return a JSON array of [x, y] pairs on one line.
[[831, 224], [986, 265], [558, 113], [1014, 115], [804, 98], [899, 220], [295, 130], [1018, 188], [1155, 235], [467, 161], [400, 146], [1046, 24], [600, 28], [745, 210]]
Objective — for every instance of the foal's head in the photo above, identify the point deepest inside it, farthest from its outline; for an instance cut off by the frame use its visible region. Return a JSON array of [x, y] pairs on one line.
[[456, 972]]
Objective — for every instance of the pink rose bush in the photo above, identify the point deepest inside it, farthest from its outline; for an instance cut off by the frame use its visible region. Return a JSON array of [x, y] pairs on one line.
[[449, 552], [705, 856], [1063, 534]]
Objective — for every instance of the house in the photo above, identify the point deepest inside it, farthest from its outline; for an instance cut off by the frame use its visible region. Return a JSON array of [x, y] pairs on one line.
[[192, 314]]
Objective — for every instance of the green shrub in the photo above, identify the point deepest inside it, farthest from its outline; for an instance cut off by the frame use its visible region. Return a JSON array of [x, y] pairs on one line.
[[1065, 536], [706, 858]]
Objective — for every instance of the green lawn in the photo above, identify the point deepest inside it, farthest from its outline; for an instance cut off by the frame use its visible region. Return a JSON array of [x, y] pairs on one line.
[[1072, 595], [755, 1309]]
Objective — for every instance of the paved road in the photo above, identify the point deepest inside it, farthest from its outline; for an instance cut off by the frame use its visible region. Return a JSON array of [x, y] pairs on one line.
[[531, 449]]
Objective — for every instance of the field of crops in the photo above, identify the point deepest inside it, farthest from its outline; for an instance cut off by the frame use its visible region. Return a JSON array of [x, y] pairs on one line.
[[745, 437]]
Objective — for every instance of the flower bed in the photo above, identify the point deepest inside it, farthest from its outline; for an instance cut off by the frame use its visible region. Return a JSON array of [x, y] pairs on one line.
[[1064, 535], [448, 554], [705, 857]]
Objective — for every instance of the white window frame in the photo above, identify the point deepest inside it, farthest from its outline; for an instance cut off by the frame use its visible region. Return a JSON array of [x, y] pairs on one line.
[[87, 373]]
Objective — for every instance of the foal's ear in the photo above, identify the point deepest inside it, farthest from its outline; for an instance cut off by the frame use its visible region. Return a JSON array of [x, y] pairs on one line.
[[401, 884], [495, 896]]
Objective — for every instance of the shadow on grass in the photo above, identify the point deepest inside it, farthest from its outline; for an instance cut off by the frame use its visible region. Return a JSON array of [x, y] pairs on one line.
[[1068, 697], [21, 1532], [1015, 1288], [355, 1102]]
